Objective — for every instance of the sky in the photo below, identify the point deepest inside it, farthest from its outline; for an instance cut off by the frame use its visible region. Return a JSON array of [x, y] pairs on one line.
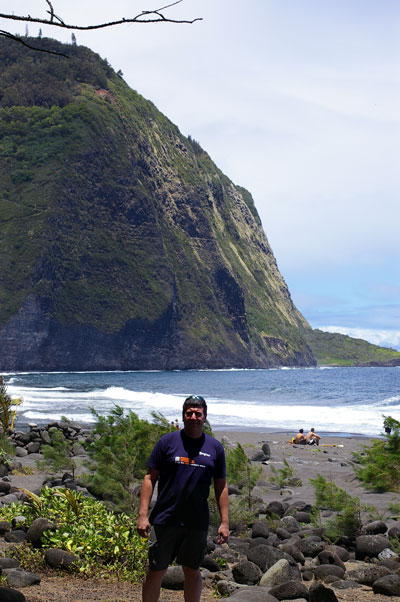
[[297, 101]]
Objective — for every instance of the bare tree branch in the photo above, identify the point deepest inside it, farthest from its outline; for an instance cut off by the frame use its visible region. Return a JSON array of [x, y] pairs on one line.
[[152, 16], [7, 34]]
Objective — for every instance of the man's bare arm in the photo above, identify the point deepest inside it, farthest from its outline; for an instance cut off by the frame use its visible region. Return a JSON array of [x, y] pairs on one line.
[[221, 495], [148, 485]]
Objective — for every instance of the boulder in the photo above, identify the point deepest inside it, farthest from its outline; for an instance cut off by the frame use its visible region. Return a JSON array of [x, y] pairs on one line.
[[293, 551], [311, 548], [259, 529], [374, 528], [18, 578], [346, 584], [369, 546], [278, 573], [330, 557], [246, 572], [5, 526], [289, 591], [210, 564], [11, 595], [59, 559], [275, 508], [15, 536], [388, 586], [226, 588], [367, 575], [252, 594], [267, 450], [33, 447], [323, 570], [394, 531], [36, 530], [8, 563], [173, 578], [5, 487], [319, 593]]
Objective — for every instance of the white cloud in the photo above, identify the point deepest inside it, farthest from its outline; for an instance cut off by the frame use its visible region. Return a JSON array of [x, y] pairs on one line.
[[384, 338]]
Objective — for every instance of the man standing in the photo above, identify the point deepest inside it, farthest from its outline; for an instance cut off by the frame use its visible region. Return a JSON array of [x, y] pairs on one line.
[[183, 462]]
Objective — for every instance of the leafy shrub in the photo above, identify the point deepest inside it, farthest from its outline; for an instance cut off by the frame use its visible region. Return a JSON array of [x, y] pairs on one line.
[[379, 464], [57, 456], [240, 470], [7, 413], [347, 509], [121, 448], [285, 477], [104, 541]]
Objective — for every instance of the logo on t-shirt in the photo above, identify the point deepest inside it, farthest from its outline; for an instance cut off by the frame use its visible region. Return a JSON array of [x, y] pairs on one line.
[[186, 461]]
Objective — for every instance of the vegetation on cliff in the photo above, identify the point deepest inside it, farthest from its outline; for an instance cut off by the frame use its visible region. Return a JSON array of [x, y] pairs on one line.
[[332, 349], [124, 244]]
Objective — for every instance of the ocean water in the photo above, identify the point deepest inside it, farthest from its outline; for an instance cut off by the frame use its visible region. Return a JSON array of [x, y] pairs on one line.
[[341, 400]]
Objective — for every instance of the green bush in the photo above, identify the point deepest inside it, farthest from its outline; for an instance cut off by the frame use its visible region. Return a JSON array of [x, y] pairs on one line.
[[105, 542], [240, 471], [120, 451], [379, 463], [57, 456], [347, 519], [285, 477]]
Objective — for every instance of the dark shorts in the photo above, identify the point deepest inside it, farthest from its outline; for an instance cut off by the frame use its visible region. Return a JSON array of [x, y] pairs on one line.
[[171, 542]]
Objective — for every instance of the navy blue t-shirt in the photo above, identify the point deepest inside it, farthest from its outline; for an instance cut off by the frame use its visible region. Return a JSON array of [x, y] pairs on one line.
[[186, 468]]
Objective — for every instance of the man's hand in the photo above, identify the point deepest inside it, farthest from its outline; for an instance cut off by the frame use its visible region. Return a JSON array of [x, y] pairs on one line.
[[143, 526], [223, 533]]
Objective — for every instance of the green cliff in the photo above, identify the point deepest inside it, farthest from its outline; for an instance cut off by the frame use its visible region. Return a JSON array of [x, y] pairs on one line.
[[332, 349], [123, 246]]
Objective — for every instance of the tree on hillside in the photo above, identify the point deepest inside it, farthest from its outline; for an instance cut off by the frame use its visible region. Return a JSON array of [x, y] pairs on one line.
[[156, 15]]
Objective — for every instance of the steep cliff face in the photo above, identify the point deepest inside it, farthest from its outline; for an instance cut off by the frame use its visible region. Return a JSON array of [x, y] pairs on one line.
[[123, 246]]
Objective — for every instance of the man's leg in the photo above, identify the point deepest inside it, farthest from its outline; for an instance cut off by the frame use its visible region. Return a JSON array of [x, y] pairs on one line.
[[151, 586], [193, 584]]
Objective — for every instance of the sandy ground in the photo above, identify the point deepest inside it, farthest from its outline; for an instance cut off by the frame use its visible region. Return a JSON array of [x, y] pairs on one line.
[[332, 459]]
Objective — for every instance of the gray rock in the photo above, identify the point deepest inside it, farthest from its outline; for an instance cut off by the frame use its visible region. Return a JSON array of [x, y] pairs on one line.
[[275, 508], [367, 575], [5, 487], [59, 559], [289, 591], [369, 546], [226, 588], [259, 529], [329, 557], [277, 574], [246, 572], [8, 563], [11, 595], [340, 551], [259, 456], [9, 499], [15, 536], [311, 548], [320, 593], [387, 554], [293, 551], [322, 571], [21, 452], [33, 447], [174, 578], [210, 564], [45, 437], [252, 594], [267, 450], [4, 527], [388, 586], [289, 522], [36, 530], [346, 584], [17, 578], [374, 528], [394, 530]]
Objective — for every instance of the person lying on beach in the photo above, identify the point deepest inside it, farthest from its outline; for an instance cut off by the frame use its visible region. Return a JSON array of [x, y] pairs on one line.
[[300, 438], [312, 438]]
